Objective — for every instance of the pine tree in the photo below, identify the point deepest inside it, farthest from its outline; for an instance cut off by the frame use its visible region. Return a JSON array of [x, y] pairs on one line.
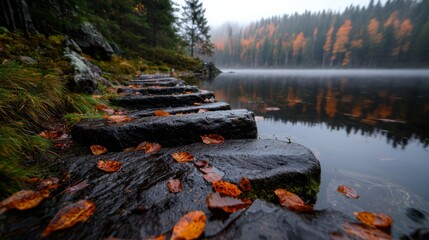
[[195, 29]]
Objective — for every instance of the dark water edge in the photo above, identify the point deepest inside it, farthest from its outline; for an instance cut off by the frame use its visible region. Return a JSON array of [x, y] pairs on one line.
[[369, 128]]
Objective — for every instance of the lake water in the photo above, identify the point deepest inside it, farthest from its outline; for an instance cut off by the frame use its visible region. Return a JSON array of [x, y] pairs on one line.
[[368, 128]]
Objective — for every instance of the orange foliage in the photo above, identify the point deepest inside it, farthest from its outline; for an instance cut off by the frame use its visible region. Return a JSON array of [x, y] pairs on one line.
[[174, 185], [373, 27], [212, 139], [363, 232], [109, 165], [342, 37], [148, 147], [23, 200], [161, 113], [98, 150], [183, 157], [190, 226], [226, 188], [292, 201], [328, 44], [393, 20], [378, 220], [226, 203], [245, 184], [348, 192], [299, 44]]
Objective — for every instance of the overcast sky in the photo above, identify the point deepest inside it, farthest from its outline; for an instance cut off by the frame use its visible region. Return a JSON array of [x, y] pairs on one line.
[[245, 11]]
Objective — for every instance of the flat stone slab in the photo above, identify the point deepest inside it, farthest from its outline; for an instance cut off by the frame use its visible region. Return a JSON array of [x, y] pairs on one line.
[[216, 106], [153, 76], [168, 131], [134, 203], [166, 82], [162, 101], [159, 90]]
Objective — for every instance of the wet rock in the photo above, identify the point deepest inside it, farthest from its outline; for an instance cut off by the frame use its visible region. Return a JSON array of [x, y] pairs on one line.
[[168, 131], [153, 76], [170, 82], [159, 91], [161, 101], [92, 42], [27, 60], [217, 106], [142, 184]]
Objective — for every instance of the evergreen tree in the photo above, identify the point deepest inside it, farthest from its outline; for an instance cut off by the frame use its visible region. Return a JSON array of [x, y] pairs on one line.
[[195, 29]]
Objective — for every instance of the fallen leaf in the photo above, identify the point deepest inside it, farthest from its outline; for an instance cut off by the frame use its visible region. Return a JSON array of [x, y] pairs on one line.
[[183, 157], [118, 119], [201, 163], [226, 203], [378, 220], [130, 149], [202, 110], [120, 112], [226, 188], [190, 226], [348, 192], [105, 109], [160, 237], [70, 215], [50, 134], [148, 147], [49, 184], [206, 169], [197, 104], [292, 201], [161, 113], [212, 177], [188, 92], [140, 209], [212, 139], [98, 150], [23, 200], [245, 184], [174, 185], [109, 165], [364, 232], [77, 187]]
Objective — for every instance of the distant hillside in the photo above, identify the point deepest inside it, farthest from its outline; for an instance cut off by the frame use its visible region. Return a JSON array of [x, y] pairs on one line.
[[394, 34]]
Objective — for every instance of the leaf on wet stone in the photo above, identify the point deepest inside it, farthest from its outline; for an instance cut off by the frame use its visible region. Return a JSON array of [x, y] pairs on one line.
[[98, 150], [245, 184], [202, 110], [50, 134], [70, 215], [190, 226], [161, 113], [364, 232], [160, 237], [174, 185], [23, 200], [77, 187], [188, 92], [348, 191], [118, 119], [212, 177], [226, 188], [183, 157], [49, 184], [206, 169], [109, 165], [105, 109], [226, 203], [130, 149], [292, 201], [197, 104], [212, 139], [378, 220], [201, 163], [148, 147]]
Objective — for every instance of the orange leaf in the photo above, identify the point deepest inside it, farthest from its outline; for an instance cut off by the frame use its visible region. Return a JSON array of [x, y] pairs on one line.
[[148, 147], [50, 134], [226, 203], [245, 184], [130, 149], [77, 187], [212, 139], [174, 185], [201, 163], [292, 201], [160, 237], [49, 184], [183, 157], [70, 215], [190, 226], [348, 192], [119, 119], [105, 109], [364, 232], [378, 220], [197, 104], [109, 165], [226, 188], [212, 177], [98, 150], [206, 169], [188, 92], [23, 200], [161, 113]]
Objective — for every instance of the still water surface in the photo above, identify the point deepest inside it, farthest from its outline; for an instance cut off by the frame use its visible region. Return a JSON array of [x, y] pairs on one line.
[[368, 128]]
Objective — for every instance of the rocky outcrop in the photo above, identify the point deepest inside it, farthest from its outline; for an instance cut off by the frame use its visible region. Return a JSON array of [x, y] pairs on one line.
[[92, 42]]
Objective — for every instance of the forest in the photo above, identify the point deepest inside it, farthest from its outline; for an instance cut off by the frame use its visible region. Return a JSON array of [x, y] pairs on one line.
[[394, 34]]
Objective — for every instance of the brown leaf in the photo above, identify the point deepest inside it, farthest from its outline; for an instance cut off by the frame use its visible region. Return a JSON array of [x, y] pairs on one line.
[[148, 147], [50, 134], [190, 226], [201, 163], [49, 184], [212, 139], [119, 119], [364, 232], [206, 169], [197, 104], [183, 157], [212, 177], [23, 200], [77, 187], [348, 192], [292, 201], [109, 165], [160, 237], [105, 109], [98, 150], [188, 92], [226, 203], [130, 149], [245, 184], [70, 215], [161, 113], [174, 185], [226, 188], [135, 86], [378, 220]]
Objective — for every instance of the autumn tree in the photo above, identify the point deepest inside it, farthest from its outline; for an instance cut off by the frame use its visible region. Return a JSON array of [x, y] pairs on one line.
[[195, 29], [327, 47], [341, 41]]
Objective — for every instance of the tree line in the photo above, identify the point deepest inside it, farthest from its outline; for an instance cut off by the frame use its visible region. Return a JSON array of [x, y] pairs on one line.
[[377, 35]]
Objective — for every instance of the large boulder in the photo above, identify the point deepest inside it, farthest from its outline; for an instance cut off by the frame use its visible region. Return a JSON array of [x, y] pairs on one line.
[[92, 42]]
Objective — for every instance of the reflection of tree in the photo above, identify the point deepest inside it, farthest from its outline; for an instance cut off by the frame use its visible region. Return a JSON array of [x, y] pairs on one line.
[[395, 108]]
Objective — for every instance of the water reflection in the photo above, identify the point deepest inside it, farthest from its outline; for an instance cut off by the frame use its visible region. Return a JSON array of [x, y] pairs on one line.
[[396, 107]]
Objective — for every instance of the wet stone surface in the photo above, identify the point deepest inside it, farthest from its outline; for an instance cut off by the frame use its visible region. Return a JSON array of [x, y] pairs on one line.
[[159, 91], [216, 106], [142, 102]]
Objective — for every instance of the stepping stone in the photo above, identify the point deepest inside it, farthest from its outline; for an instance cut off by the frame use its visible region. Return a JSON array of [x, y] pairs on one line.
[[162, 101], [162, 83], [168, 131], [166, 79], [159, 90], [216, 106], [153, 76]]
